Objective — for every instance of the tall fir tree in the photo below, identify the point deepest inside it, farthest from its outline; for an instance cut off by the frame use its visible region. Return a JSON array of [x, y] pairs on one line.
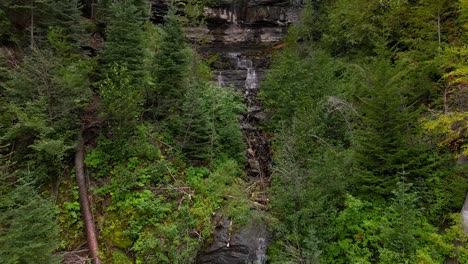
[[385, 128], [170, 69], [124, 71], [124, 40], [28, 231], [44, 100], [66, 16]]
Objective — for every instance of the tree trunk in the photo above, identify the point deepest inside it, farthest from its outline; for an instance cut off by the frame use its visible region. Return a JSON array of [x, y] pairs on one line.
[[84, 202], [438, 27], [31, 31]]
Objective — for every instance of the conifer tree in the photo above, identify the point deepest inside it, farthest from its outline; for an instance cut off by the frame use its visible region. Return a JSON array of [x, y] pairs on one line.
[[66, 16], [124, 70], [386, 125], [28, 231], [170, 69], [124, 45], [387, 138], [44, 98], [104, 9], [196, 124], [121, 98]]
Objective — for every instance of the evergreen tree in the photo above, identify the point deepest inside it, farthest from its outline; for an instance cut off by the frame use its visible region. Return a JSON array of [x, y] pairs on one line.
[[104, 9], [44, 100], [64, 15], [38, 16], [124, 45], [387, 139], [209, 126], [400, 233], [195, 130], [170, 69], [124, 71], [383, 135], [6, 29], [28, 231], [121, 99]]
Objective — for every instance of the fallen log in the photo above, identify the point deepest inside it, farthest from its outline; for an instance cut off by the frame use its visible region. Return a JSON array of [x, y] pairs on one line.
[[89, 226]]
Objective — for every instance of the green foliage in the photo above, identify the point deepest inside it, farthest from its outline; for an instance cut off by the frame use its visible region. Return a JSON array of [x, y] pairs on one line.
[[354, 124], [42, 98], [362, 27], [45, 98], [386, 125], [6, 33], [194, 11], [28, 231], [209, 126], [312, 125], [449, 129], [121, 98], [125, 41], [172, 152], [394, 233], [69, 215], [64, 15], [170, 68], [299, 82], [19, 18], [195, 131], [156, 207]]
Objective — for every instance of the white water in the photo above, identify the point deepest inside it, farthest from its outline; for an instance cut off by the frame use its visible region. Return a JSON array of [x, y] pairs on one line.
[[464, 213], [251, 82], [221, 80]]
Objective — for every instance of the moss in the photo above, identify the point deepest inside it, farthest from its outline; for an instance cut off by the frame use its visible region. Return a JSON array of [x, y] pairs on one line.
[[118, 257]]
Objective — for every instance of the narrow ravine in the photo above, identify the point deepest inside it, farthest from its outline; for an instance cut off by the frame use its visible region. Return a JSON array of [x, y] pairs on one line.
[[247, 243], [258, 167], [258, 154], [241, 36]]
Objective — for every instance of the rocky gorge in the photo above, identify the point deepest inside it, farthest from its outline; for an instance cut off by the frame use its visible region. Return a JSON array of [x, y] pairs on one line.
[[242, 34]]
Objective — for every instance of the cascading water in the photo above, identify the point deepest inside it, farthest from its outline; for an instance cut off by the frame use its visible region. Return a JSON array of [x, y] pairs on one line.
[[220, 80], [249, 243], [242, 35], [251, 84]]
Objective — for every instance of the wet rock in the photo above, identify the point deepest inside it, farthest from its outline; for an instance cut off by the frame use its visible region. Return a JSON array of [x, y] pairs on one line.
[[242, 34], [259, 116], [254, 109], [462, 160], [253, 165], [246, 244], [248, 126]]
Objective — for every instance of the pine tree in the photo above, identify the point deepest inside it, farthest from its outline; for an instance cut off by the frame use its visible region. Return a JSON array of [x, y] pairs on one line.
[[124, 71], [28, 231], [6, 30], [195, 130], [121, 99], [64, 15], [170, 69], [124, 45], [387, 139], [45, 97], [386, 125], [104, 9]]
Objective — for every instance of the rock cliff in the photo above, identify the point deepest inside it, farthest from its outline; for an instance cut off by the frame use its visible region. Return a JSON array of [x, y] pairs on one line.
[[242, 34]]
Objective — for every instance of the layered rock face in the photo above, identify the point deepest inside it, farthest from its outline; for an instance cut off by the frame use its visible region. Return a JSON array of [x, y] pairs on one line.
[[242, 34], [245, 23]]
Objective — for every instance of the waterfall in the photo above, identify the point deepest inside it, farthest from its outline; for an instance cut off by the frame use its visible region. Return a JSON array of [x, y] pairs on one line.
[[221, 80], [249, 242], [251, 82]]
